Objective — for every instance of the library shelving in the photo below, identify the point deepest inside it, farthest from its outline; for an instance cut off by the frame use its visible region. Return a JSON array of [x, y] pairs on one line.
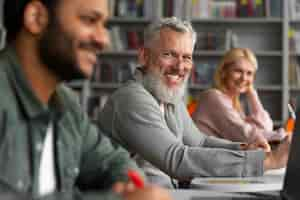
[[261, 25]]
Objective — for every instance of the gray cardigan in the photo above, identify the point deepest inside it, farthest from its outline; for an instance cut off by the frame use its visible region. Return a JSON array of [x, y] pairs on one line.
[[132, 117]]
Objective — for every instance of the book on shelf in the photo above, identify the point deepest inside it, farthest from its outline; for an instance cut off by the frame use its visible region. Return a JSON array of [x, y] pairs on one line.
[[222, 40], [275, 8], [125, 39], [259, 8], [111, 7], [96, 104], [106, 73], [126, 71], [134, 39], [117, 73], [223, 9], [121, 8], [297, 41], [136, 8], [210, 40], [294, 72], [255, 8], [126, 8], [234, 40], [202, 73], [294, 40], [242, 8], [196, 9], [179, 8], [213, 9], [228, 36], [200, 9], [168, 8], [294, 9], [96, 75], [115, 37], [293, 67], [153, 9], [231, 39]]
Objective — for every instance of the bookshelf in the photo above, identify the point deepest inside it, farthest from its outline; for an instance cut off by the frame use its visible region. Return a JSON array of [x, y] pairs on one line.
[[293, 51], [264, 28]]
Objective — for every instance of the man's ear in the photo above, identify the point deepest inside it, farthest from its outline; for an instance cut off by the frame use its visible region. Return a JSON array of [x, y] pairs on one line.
[[35, 17], [143, 55]]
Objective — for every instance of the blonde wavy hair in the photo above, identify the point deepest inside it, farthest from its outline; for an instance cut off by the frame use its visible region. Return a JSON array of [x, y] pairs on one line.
[[228, 59]]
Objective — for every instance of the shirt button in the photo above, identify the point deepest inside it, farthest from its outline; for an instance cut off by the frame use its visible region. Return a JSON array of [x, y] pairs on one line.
[[39, 147], [76, 171], [73, 171], [20, 184], [59, 143]]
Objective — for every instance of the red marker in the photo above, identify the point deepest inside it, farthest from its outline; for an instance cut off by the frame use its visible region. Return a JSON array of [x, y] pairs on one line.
[[135, 178]]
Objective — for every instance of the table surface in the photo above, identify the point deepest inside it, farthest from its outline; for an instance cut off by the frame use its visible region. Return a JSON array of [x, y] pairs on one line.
[[271, 181], [198, 193]]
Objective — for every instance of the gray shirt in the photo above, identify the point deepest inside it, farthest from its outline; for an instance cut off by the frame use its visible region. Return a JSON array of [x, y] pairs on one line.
[[169, 140]]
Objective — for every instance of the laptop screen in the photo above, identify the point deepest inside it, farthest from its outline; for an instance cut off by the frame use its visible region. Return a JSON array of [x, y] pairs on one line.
[[291, 187]]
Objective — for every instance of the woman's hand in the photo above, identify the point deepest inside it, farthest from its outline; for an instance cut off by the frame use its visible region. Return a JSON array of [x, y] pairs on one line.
[[251, 88]]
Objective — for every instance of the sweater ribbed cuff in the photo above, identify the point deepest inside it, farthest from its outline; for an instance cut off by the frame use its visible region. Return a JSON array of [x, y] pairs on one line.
[[254, 163]]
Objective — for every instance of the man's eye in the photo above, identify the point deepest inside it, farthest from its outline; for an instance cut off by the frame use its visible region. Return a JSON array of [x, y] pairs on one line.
[[166, 54], [188, 59], [89, 19]]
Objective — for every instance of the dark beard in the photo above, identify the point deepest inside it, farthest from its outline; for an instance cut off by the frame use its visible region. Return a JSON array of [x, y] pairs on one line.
[[57, 52]]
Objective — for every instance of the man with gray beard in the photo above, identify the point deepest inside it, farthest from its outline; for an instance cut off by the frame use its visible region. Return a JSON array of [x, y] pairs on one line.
[[148, 117]]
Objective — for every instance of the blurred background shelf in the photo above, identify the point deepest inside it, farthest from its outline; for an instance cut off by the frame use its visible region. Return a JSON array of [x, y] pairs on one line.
[[268, 27]]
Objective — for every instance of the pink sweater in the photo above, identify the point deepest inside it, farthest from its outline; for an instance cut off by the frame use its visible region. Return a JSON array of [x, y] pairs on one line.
[[216, 116]]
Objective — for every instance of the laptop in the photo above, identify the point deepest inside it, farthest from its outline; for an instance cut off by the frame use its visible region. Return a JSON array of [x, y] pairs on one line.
[[286, 183], [291, 189]]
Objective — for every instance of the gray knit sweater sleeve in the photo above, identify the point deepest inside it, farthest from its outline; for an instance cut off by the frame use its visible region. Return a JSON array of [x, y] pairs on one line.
[[133, 117]]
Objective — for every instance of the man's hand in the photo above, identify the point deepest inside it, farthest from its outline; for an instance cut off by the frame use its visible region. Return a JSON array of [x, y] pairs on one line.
[[278, 157], [148, 193], [129, 192], [257, 144], [122, 188]]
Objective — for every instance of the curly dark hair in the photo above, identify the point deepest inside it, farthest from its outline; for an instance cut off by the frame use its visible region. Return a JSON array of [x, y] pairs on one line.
[[13, 11]]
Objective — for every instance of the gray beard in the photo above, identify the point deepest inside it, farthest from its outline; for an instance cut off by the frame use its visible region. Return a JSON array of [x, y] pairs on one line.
[[152, 81]]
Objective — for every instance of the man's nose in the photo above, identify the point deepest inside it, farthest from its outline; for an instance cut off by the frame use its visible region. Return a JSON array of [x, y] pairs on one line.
[[180, 63], [101, 37]]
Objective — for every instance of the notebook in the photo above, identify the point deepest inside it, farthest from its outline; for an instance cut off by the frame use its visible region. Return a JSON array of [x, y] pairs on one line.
[[246, 184]]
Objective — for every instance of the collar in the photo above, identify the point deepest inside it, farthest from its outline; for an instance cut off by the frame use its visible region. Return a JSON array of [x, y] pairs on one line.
[[32, 106]]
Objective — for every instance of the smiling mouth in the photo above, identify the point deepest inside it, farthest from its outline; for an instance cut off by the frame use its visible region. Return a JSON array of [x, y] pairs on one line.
[[92, 57], [174, 79], [243, 85]]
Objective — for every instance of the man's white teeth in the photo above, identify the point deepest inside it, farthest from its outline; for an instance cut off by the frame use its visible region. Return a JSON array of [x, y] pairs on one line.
[[173, 77]]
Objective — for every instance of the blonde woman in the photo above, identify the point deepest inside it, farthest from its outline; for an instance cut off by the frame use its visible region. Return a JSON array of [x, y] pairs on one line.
[[220, 113]]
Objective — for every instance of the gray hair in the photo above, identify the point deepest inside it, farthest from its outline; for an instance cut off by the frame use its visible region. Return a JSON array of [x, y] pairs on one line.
[[174, 23]]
